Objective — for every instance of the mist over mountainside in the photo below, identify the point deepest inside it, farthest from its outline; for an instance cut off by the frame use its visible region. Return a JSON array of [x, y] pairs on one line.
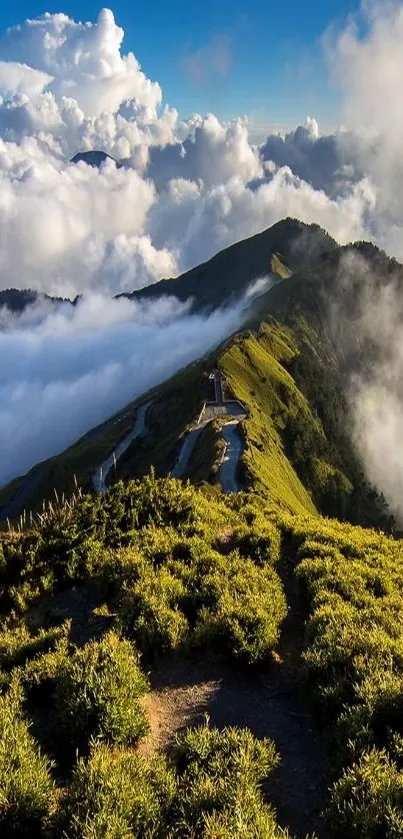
[[296, 374]]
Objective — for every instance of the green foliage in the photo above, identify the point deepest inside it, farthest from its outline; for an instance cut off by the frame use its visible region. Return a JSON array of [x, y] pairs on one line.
[[193, 595], [97, 692], [243, 607], [26, 788], [71, 544], [18, 645], [150, 611], [367, 801], [183, 570], [219, 785], [352, 580], [116, 794], [260, 541]]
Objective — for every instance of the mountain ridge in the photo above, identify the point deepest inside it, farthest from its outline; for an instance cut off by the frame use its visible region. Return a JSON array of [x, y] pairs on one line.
[[290, 317]]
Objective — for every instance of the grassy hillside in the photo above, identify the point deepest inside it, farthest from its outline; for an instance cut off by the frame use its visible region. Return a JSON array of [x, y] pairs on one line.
[[256, 376], [152, 572], [102, 596]]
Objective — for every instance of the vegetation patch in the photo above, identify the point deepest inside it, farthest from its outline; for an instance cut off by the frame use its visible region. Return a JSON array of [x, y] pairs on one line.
[[26, 787]]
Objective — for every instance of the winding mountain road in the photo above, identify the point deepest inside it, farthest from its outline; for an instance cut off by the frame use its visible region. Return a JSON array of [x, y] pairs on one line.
[[233, 452], [227, 473], [187, 449], [139, 428]]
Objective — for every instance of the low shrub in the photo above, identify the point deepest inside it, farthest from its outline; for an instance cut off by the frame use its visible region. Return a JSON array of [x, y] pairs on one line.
[[219, 785], [26, 788], [150, 611], [243, 607], [97, 692], [116, 794], [18, 645], [260, 541], [367, 801]]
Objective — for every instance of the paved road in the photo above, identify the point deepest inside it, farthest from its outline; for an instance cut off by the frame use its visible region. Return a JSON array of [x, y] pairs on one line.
[[186, 450], [139, 428], [228, 469]]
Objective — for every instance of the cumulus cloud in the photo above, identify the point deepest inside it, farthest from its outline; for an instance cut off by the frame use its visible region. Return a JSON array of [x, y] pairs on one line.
[[84, 60], [186, 189], [191, 215], [70, 369], [327, 162], [367, 62], [213, 154], [19, 79]]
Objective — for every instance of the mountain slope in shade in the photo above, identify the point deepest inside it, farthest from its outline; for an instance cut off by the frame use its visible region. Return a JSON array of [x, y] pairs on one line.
[[286, 247]]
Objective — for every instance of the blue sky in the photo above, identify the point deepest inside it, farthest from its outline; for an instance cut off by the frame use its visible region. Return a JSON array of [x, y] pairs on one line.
[[228, 56]]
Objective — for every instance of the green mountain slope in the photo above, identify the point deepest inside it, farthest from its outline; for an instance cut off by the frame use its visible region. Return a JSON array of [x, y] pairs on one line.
[[289, 373]]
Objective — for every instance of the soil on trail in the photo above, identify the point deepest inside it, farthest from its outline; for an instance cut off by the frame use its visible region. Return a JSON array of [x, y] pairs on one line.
[[271, 703]]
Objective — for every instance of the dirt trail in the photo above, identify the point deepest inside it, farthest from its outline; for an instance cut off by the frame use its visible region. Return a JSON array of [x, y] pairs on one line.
[[272, 704]]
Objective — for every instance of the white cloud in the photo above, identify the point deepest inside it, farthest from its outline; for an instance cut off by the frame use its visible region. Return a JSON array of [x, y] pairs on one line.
[[187, 189], [369, 335], [84, 60], [367, 61], [70, 369], [200, 221], [19, 79]]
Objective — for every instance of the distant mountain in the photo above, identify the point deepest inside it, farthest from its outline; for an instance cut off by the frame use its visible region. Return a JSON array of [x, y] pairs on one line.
[[16, 299], [94, 158], [286, 247], [279, 251]]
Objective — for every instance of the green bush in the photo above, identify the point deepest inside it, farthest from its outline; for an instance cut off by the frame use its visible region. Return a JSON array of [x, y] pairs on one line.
[[244, 608], [367, 802], [116, 794], [219, 785], [121, 567], [97, 691], [26, 788], [150, 611], [260, 542], [18, 645]]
